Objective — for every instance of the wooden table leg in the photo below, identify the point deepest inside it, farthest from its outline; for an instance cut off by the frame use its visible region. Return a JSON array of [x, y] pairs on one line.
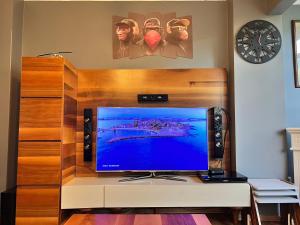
[[245, 213], [296, 214], [235, 215], [254, 213], [284, 213]]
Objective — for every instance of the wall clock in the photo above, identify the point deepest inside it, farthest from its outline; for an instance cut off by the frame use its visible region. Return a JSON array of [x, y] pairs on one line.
[[258, 41]]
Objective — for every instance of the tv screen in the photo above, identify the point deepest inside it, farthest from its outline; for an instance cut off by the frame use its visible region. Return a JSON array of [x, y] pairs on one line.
[[151, 139]]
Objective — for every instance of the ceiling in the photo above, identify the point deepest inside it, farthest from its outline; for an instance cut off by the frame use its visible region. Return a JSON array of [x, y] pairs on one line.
[[296, 3], [135, 0]]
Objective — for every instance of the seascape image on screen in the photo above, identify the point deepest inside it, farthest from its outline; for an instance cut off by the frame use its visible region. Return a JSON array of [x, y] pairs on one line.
[[151, 139]]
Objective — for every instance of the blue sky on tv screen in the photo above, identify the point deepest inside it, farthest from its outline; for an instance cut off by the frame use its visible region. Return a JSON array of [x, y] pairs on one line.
[[151, 139]]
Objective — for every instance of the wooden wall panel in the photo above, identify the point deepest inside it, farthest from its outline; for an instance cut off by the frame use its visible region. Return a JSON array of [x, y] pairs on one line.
[[37, 220], [119, 88], [47, 138], [42, 77], [37, 201], [69, 125], [39, 163], [42, 84], [40, 119]]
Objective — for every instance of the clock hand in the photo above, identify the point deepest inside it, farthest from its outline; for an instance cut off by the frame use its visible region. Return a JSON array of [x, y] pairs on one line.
[[259, 39]]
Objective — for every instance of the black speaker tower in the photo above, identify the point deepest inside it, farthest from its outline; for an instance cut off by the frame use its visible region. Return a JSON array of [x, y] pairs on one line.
[[218, 133], [87, 138]]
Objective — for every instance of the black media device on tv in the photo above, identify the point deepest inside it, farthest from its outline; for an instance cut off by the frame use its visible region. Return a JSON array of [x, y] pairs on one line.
[[227, 177]]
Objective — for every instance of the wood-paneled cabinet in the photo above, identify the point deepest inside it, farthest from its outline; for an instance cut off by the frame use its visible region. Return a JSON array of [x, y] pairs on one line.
[[47, 138], [40, 119], [50, 112]]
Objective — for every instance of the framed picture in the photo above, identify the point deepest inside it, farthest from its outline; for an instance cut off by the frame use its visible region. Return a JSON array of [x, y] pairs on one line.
[[296, 50], [152, 34]]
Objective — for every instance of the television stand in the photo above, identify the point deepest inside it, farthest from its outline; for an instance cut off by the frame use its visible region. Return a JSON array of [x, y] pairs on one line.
[[154, 176]]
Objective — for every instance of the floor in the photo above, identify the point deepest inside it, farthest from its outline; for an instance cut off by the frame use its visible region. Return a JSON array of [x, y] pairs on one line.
[[138, 219], [214, 218], [224, 219], [219, 219]]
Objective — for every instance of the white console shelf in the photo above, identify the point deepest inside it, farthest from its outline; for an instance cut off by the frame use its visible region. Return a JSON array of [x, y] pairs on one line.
[[108, 192]]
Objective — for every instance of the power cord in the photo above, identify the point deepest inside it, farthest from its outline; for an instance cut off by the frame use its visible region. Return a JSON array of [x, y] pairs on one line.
[[55, 54]]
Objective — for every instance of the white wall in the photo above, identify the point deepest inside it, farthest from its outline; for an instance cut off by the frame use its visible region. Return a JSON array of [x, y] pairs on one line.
[[292, 94], [5, 57], [86, 29], [11, 15], [259, 104], [257, 91]]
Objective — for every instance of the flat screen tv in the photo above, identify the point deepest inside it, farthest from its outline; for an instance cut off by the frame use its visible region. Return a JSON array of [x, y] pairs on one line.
[[151, 139]]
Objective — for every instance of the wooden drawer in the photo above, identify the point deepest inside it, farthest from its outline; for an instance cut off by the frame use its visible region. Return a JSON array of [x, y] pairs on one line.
[[87, 192], [177, 195], [39, 163], [82, 196], [40, 119], [37, 202], [42, 77], [41, 83]]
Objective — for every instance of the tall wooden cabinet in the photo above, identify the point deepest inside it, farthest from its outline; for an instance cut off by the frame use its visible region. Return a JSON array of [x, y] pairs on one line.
[[47, 138]]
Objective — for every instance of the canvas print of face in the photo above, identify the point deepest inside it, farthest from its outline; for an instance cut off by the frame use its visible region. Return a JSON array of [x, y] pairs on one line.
[[153, 34], [151, 139]]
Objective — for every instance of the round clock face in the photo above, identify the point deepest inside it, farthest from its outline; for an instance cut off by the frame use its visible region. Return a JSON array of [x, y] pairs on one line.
[[258, 41]]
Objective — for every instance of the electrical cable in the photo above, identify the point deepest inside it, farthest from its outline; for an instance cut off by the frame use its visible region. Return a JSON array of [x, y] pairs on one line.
[[54, 53]]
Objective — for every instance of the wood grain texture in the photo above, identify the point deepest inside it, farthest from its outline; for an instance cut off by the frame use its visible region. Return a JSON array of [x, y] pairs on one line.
[[296, 214], [70, 82], [138, 219], [119, 88], [47, 137], [37, 201], [43, 62], [40, 119], [42, 77], [37, 220], [69, 125], [39, 163], [147, 219], [41, 83], [46, 63]]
